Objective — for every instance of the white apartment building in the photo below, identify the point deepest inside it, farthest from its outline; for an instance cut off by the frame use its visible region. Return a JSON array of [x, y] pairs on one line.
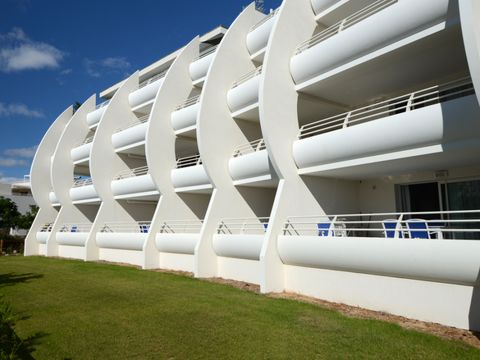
[[329, 148]]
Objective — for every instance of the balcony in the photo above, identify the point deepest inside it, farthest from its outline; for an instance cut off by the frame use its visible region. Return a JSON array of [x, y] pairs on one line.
[[93, 118], [53, 198], [190, 175], [147, 90], [44, 233], [358, 35], [257, 38], [184, 118], [321, 5], [179, 236], [73, 234], [123, 235], [419, 130], [132, 135], [83, 191], [81, 153], [134, 182], [242, 98], [240, 238], [250, 163], [199, 66], [437, 246]]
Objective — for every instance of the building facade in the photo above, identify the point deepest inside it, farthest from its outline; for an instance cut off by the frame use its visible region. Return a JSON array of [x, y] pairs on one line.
[[328, 148]]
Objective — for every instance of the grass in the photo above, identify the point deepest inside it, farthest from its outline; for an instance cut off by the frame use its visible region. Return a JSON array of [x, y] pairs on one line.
[[76, 310]]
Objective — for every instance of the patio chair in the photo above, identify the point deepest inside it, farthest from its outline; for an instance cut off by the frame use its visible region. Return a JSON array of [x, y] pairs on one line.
[[324, 228], [390, 228], [144, 228], [74, 228], [418, 229]]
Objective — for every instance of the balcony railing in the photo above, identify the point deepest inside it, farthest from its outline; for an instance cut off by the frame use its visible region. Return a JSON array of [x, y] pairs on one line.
[[248, 148], [243, 226], [140, 120], [248, 76], [153, 79], [415, 100], [345, 24], [464, 224], [181, 227], [143, 170], [103, 104], [82, 182], [206, 53], [47, 227], [76, 227], [126, 227], [189, 102], [189, 161], [265, 19]]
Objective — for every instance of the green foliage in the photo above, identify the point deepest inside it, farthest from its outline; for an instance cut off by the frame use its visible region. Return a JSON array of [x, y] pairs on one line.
[[10, 343], [8, 213], [25, 221]]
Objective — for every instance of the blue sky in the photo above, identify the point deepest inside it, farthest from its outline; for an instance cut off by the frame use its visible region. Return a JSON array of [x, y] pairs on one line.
[[56, 52]]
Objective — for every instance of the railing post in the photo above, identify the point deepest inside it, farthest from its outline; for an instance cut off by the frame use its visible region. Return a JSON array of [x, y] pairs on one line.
[[410, 102], [347, 118], [398, 227]]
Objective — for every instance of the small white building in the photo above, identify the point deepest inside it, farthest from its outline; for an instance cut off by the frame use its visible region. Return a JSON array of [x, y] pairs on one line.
[[329, 148]]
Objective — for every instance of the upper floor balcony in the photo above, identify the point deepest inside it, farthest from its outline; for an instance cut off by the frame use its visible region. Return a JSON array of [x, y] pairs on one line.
[[123, 235], [190, 175], [250, 163], [184, 118], [179, 236], [438, 246], [93, 118], [81, 153], [240, 238], [73, 234], [133, 182], [430, 121], [242, 98], [147, 90], [53, 198], [131, 135], [83, 191], [321, 5], [199, 66], [44, 233], [375, 26], [257, 38]]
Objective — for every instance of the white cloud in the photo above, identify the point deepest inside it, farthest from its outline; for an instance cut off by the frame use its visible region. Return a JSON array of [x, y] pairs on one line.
[[18, 52], [10, 162], [66, 71], [18, 109], [109, 65], [27, 152]]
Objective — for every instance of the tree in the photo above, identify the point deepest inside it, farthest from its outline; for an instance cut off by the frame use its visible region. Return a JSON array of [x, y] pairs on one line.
[[25, 221], [8, 213]]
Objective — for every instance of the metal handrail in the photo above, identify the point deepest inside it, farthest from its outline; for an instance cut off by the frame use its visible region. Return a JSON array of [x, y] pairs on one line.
[[265, 19], [103, 104], [248, 148], [47, 227], [126, 227], [181, 226], [153, 79], [205, 53], [248, 76], [76, 227], [344, 24], [82, 182], [138, 121], [438, 224], [404, 103], [189, 102], [139, 171], [243, 225], [189, 161]]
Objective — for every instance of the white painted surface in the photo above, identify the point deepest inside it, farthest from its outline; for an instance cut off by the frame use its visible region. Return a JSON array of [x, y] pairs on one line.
[[321, 5], [121, 256], [42, 249], [177, 243], [71, 252], [93, 118], [145, 93], [397, 21], [132, 135], [83, 193], [244, 94], [177, 262], [258, 38], [240, 246], [133, 185], [81, 152], [123, 241], [185, 117], [42, 237], [72, 238], [198, 69], [446, 304], [189, 176], [53, 197], [250, 165], [239, 269]]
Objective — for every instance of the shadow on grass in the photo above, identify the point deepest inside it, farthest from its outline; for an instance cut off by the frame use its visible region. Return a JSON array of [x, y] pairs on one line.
[[17, 348], [10, 279]]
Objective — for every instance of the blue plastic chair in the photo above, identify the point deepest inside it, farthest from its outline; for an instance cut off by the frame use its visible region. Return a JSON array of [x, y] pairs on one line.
[[418, 229], [74, 228], [390, 228], [324, 228], [144, 228], [265, 226]]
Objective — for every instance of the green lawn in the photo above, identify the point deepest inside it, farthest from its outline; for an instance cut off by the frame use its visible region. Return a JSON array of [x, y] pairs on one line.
[[78, 310]]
